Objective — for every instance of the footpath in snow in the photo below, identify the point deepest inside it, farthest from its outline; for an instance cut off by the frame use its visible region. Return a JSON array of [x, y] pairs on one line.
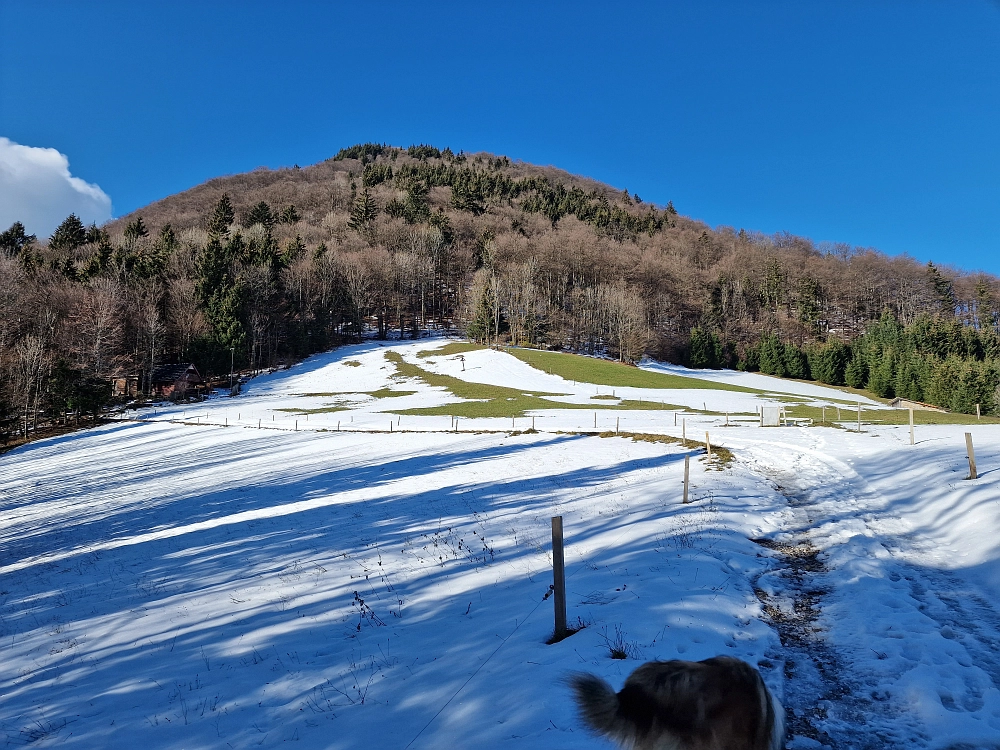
[[201, 578]]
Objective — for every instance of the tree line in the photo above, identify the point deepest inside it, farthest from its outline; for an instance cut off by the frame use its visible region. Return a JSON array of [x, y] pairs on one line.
[[270, 266]]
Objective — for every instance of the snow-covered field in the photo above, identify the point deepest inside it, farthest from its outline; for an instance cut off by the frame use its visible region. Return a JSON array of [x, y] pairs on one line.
[[237, 574]]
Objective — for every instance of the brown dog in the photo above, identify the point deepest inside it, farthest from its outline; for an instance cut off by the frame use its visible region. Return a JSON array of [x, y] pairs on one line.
[[717, 704]]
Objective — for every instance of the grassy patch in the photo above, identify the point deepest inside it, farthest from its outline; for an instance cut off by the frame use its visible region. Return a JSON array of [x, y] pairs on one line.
[[318, 410], [721, 457], [380, 393], [602, 372], [482, 400], [605, 397], [455, 347], [634, 405], [352, 363], [849, 415]]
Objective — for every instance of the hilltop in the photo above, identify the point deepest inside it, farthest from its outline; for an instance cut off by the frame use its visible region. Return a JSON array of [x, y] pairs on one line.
[[259, 269]]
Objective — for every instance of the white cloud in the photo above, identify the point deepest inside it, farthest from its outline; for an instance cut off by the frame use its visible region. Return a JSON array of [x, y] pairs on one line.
[[37, 189]]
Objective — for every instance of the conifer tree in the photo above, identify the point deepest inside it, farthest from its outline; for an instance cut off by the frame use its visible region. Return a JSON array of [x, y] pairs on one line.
[[260, 214], [363, 212], [15, 239], [222, 217], [135, 229], [69, 235]]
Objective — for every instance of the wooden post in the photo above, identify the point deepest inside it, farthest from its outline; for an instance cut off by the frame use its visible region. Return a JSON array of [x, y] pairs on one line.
[[512, 423], [617, 420], [338, 425], [838, 413], [595, 420], [978, 415], [558, 577], [859, 416], [687, 470], [675, 419], [296, 425], [684, 431], [911, 426], [972, 456], [708, 444], [532, 423], [824, 415]]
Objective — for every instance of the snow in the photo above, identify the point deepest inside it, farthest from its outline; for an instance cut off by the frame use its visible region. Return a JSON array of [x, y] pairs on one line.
[[188, 578]]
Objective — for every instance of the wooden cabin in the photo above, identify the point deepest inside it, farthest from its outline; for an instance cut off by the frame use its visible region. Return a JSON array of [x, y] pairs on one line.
[[177, 381]]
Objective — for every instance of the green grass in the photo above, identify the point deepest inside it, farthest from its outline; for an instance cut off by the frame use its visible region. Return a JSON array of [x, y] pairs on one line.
[[318, 410], [849, 416], [455, 347], [603, 372], [352, 363], [605, 397], [482, 400], [381, 393]]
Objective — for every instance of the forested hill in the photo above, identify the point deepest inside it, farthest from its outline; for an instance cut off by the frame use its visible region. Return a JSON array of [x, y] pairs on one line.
[[276, 264]]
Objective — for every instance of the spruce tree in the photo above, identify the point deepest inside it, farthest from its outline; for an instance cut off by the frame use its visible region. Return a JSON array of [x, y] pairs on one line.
[[135, 229], [260, 214], [772, 356], [363, 212], [15, 239], [222, 217], [69, 235]]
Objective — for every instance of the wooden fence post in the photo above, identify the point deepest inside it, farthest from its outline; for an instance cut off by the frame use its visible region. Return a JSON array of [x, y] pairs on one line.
[[558, 577], [687, 470], [824, 415], [708, 444], [595, 420], [911, 426], [675, 419], [972, 456], [684, 432], [978, 414], [617, 421]]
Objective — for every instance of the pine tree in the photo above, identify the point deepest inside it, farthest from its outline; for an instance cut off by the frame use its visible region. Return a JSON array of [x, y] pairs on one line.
[[363, 213], [135, 229], [289, 215], [222, 217], [942, 289], [705, 351], [69, 235], [772, 356], [15, 239], [260, 214]]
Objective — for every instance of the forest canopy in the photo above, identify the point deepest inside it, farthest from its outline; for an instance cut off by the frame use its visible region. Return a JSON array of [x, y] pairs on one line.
[[272, 265]]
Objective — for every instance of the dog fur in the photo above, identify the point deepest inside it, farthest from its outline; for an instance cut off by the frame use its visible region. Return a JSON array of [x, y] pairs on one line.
[[717, 704]]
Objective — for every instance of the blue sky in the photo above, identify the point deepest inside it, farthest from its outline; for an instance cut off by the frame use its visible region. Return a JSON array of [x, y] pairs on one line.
[[871, 123]]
